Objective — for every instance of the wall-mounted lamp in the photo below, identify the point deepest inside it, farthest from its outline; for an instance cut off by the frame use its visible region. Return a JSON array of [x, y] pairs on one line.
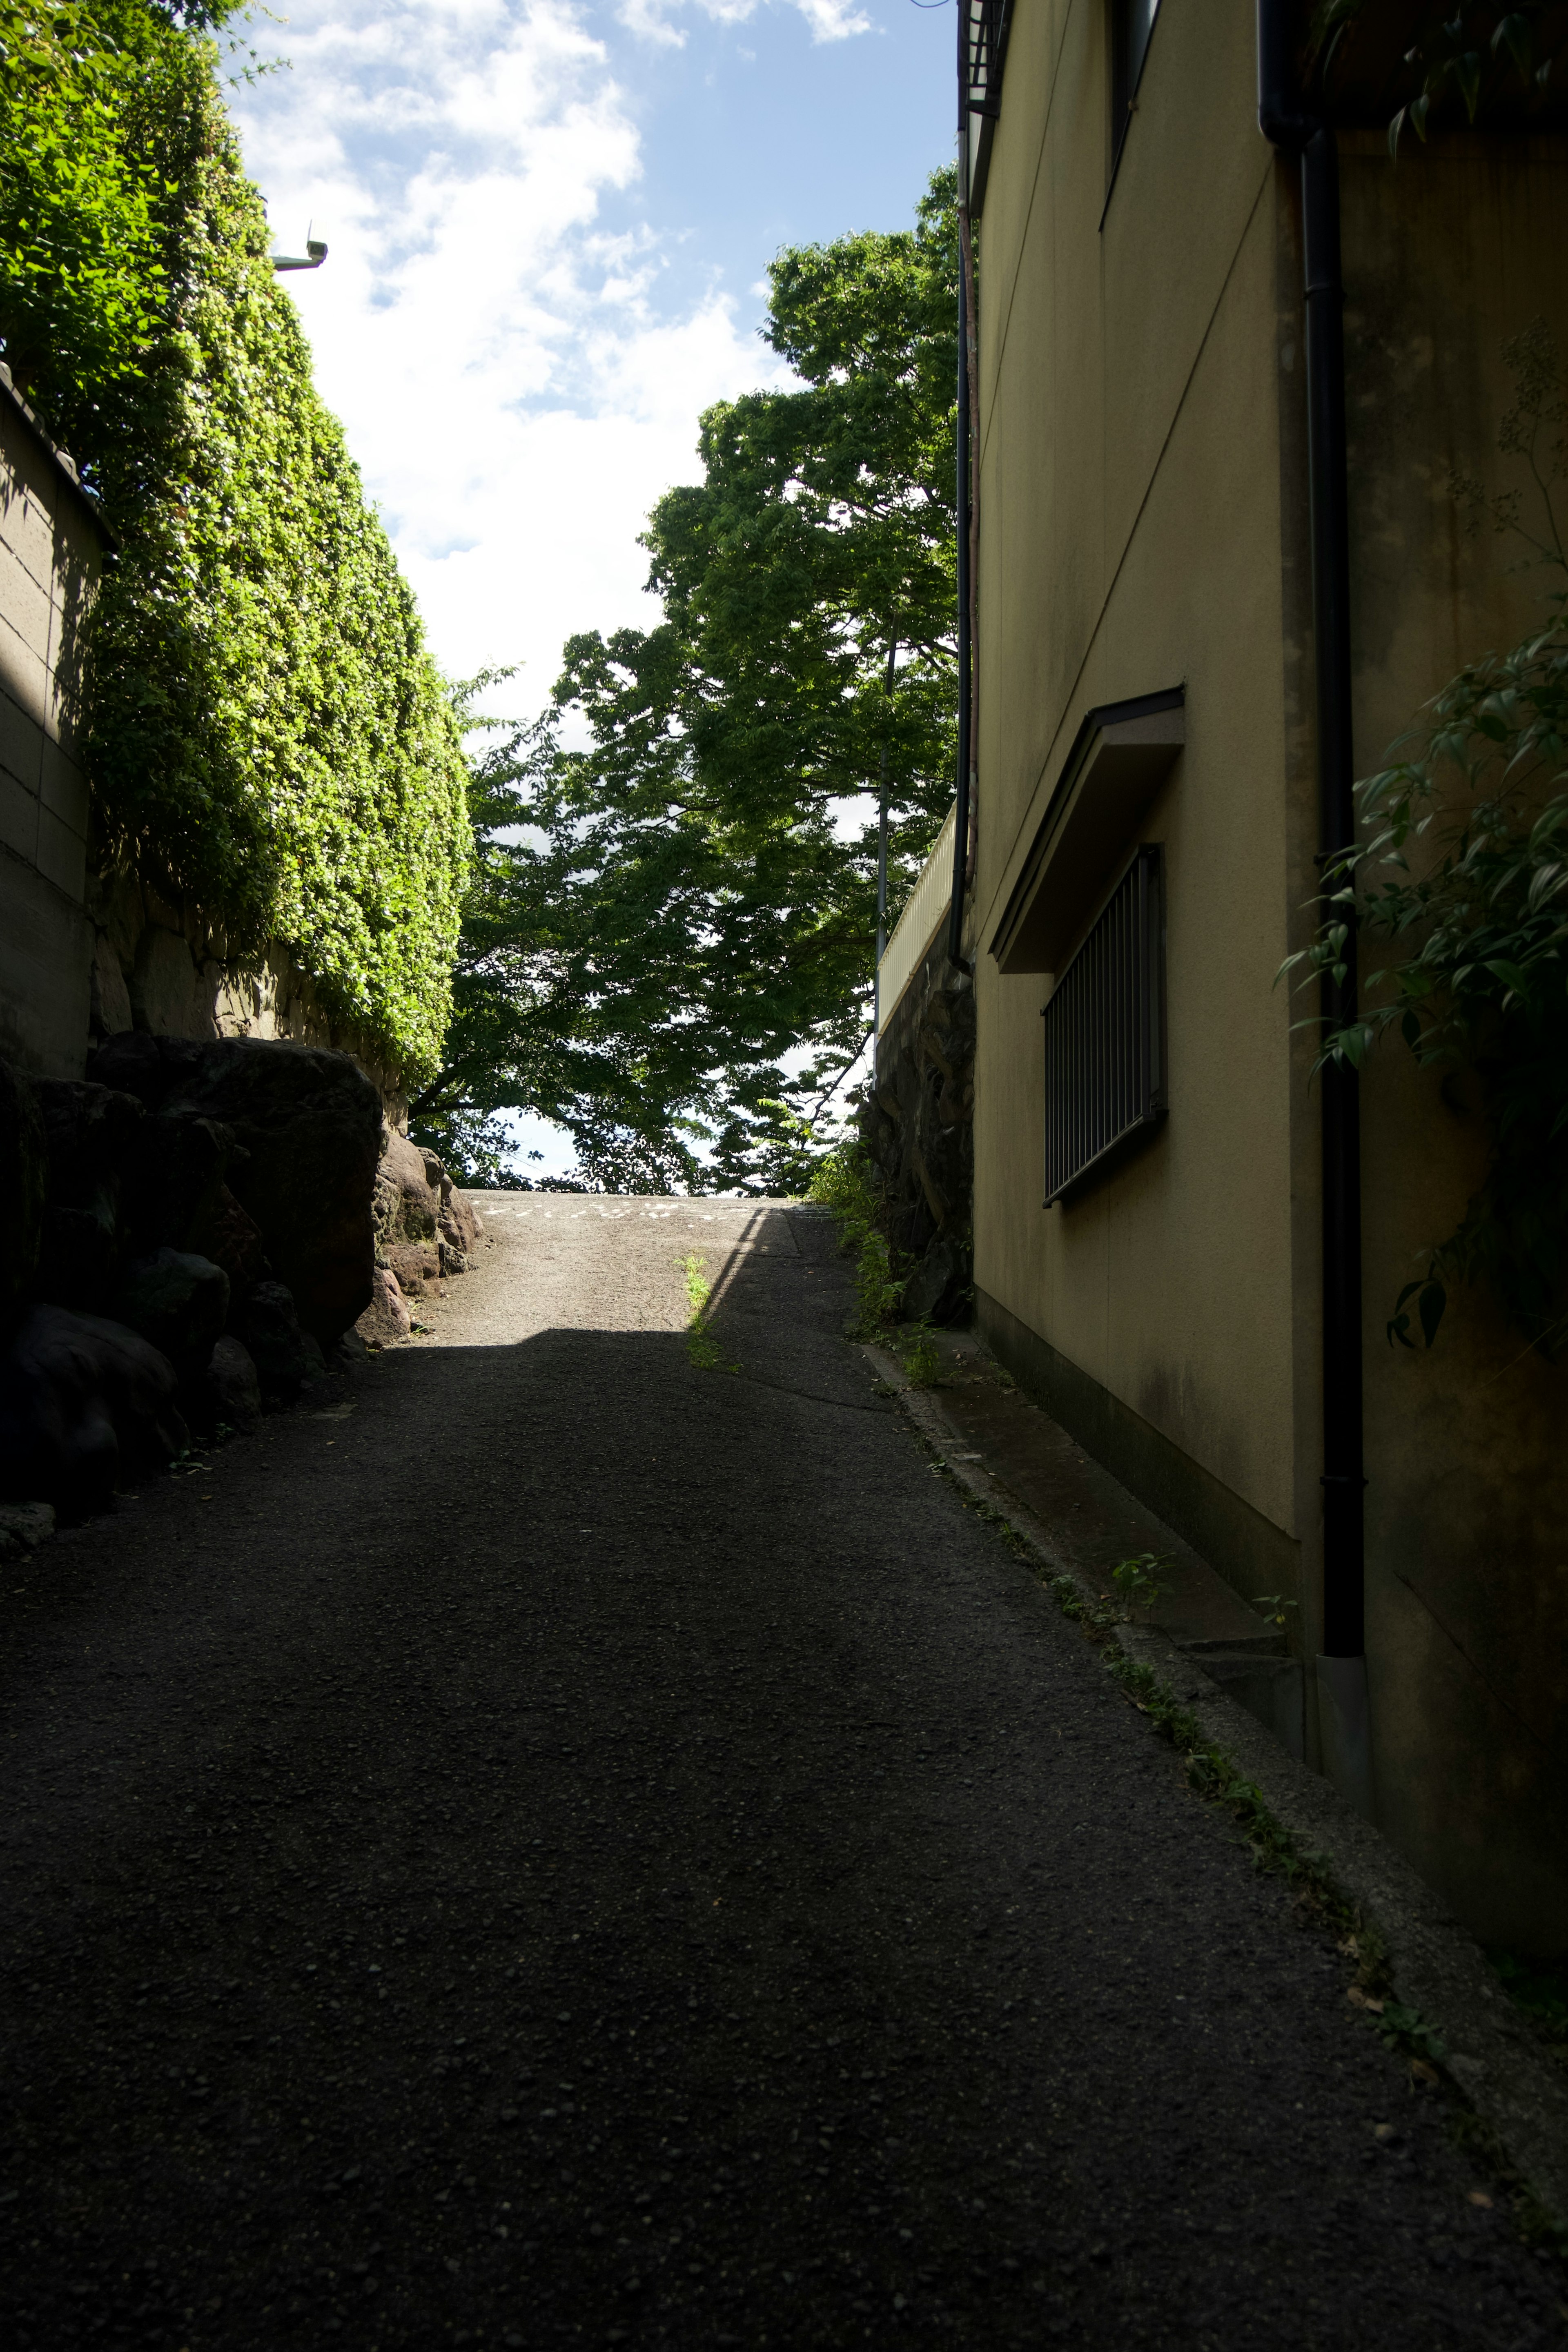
[[316, 250]]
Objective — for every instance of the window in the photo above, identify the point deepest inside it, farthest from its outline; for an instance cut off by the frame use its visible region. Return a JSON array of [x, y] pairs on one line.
[[1132, 23], [1105, 1043]]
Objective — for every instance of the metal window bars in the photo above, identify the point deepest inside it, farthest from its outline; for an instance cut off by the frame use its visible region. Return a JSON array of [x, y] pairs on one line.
[[985, 50], [1104, 1028]]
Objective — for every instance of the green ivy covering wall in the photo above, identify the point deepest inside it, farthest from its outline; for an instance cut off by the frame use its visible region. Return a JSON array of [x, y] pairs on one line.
[[262, 725]]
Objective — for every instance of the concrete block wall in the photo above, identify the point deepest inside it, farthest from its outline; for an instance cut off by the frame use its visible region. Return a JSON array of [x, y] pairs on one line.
[[51, 549]]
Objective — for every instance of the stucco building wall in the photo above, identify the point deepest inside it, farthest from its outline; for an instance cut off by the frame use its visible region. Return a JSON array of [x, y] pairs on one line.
[[1144, 526]]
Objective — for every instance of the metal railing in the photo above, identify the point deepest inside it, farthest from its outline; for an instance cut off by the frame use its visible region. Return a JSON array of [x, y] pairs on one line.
[[1104, 1033]]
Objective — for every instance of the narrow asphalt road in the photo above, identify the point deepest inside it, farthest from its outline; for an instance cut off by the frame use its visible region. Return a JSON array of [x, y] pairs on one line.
[[564, 1846]]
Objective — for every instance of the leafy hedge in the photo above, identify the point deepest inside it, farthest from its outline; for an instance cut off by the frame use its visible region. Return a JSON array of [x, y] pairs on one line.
[[263, 727]]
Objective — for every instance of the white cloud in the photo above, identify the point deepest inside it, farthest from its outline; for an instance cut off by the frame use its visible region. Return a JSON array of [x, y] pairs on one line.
[[513, 392], [830, 20]]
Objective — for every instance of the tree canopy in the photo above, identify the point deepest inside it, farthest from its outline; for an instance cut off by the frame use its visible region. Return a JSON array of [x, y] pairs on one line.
[[659, 917]]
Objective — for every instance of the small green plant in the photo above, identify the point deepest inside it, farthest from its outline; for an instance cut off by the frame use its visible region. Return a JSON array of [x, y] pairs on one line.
[[1275, 1607], [700, 1345], [842, 1185], [1407, 2031], [921, 1360], [1138, 1584]]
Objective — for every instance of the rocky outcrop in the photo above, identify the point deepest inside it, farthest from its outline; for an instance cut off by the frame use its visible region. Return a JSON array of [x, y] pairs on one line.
[[286, 1356], [306, 1127], [234, 1386], [188, 1228], [178, 1303], [84, 1404], [386, 1320], [406, 1203], [424, 1231], [916, 1125]]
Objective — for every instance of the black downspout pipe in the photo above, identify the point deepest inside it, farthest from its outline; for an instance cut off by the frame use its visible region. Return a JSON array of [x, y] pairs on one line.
[[1287, 124], [965, 647]]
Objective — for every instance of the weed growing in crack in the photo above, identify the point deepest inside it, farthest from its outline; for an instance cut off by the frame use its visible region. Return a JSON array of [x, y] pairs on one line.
[[921, 1360], [1138, 1584], [700, 1345]]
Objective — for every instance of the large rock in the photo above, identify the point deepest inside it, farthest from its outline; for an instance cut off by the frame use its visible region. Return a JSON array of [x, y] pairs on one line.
[[24, 1527], [308, 1123], [286, 1356], [175, 1180], [84, 1404], [225, 1233], [93, 1133], [414, 1263], [407, 1204], [387, 1318], [234, 1388], [178, 1302], [938, 1290], [23, 1177]]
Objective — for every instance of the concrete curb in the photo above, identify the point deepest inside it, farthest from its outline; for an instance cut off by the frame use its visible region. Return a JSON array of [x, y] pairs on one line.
[[1513, 2087]]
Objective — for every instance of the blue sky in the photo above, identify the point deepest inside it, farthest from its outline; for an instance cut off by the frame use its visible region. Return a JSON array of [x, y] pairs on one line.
[[549, 227], [549, 230]]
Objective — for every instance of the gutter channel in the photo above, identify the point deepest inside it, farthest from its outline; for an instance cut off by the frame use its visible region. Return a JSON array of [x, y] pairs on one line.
[[1295, 131]]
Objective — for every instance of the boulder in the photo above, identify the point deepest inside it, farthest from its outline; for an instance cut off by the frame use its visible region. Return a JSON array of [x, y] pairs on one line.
[[453, 1260], [387, 1317], [414, 1263], [938, 1289], [179, 1302], [455, 1222], [407, 1203], [24, 1179], [286, 1356], [234, 1389], [175, 1178], [231, 1239], [92, 1133], [84, 1404], [308, 1123], [24, 1527]]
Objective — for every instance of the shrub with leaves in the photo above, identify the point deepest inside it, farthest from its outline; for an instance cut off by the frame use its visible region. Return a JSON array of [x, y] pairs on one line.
[[262, 723], [1464, 873]]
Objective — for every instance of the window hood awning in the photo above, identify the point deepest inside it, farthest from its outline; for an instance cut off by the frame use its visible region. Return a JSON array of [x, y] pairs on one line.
[[1120, 757]]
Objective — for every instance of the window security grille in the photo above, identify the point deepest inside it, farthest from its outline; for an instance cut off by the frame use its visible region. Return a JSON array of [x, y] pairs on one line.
[[1105, 1074], [985, 51]]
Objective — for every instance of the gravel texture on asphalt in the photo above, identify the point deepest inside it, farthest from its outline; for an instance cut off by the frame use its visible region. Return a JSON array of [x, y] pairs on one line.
[[562, 1845]]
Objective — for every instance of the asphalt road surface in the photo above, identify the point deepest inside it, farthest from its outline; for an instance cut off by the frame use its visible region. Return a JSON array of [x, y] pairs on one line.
[[567, 1845]]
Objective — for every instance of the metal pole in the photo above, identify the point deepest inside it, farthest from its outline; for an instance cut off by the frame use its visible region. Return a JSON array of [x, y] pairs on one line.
[[1343, 1481], [965, 652], [882, 864]]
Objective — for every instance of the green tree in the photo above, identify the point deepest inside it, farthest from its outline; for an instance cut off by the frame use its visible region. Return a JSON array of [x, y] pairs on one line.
[[656, 919]]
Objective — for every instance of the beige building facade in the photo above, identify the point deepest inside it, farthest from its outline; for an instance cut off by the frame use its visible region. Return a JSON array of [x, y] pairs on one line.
[[1144, 681]]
